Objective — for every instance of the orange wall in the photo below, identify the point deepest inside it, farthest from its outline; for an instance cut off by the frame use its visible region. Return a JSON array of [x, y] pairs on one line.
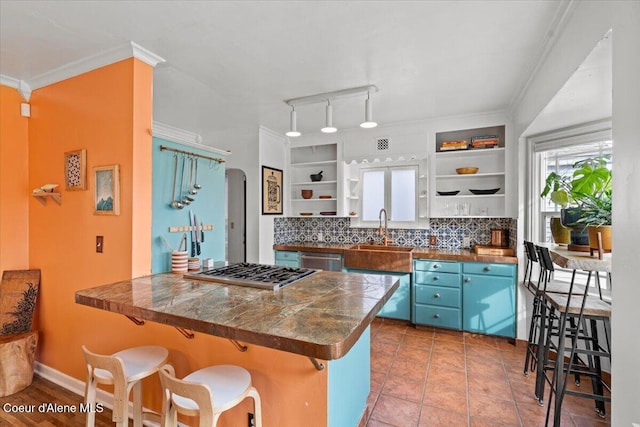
[[108, 112], [14, 182]]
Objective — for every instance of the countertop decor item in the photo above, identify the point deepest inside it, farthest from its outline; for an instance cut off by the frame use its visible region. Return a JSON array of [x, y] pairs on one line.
[[306, 213], [315, 177], [324, 196], [485, 192], [328, 213], [467, 170], [306, 194], [271, 191], [448, 193]]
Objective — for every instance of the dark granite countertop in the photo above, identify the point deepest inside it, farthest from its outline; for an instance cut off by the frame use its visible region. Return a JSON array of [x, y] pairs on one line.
[[417, 252], [321, 316]]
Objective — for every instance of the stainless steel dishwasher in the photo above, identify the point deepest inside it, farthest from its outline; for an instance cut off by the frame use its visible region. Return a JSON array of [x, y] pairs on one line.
[[322, 261]]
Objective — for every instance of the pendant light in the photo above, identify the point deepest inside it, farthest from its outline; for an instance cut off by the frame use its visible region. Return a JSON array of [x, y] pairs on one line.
[[293, 125], [328, 128], [368, 114]]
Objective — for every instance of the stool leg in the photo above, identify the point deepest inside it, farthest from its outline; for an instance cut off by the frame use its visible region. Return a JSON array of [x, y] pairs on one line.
[[257, 407], [137, 404], [597, 381], [532, 329], [90, 400]]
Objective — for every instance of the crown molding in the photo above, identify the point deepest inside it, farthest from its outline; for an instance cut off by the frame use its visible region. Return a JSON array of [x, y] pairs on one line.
[[89, 63], [23, 87], [185, 137]]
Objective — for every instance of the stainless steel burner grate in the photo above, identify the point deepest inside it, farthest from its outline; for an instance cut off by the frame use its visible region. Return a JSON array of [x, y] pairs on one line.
[[254, 275]]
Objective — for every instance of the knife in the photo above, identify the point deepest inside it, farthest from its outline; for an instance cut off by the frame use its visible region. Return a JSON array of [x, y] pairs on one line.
[[198, 232], [201, 232], [193, 234]]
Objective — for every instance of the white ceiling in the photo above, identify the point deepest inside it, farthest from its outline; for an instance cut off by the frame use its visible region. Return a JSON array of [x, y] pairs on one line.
[[229, 65]]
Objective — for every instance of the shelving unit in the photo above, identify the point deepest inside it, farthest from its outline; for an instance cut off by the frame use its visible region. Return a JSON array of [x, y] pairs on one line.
[[490, 175], [42, 197], [307, 160]]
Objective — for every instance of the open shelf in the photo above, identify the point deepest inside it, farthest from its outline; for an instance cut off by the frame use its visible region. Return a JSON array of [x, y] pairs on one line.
[[42, 197]]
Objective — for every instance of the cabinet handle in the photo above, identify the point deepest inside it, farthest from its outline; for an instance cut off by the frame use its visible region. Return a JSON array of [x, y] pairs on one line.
[[436, 295], [487, 268], [436, 265], [436, 316], [467, 279], [435, 278]]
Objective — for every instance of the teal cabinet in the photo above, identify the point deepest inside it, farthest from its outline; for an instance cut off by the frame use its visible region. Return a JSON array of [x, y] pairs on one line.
[[399, 305], [489, 298], [287, 258], [437, 296]]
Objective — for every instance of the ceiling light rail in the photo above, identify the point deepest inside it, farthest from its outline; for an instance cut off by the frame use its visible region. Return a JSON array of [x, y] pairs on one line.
[[191, 154], [328, 97]]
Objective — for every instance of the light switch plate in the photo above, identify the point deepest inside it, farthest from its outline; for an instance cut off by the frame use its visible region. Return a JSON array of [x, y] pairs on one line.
[[99, 244]]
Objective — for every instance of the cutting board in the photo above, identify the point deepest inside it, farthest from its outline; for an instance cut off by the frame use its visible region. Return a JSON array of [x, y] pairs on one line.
[[494, 250]]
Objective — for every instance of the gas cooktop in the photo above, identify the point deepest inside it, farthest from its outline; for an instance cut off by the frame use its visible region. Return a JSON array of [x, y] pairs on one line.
[[254, 275]]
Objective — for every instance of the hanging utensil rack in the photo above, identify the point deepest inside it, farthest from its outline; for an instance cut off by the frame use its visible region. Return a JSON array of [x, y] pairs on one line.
[[190, 153]]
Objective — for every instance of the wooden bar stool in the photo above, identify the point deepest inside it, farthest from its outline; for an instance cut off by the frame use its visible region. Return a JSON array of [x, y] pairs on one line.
[[124, 370], [207, 392]]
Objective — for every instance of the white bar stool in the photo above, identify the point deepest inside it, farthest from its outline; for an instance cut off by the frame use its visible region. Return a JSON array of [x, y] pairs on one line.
[[124, 370], [207, 392]]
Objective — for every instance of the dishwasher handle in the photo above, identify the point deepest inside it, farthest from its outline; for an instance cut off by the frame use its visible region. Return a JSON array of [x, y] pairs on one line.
[[323, 258]]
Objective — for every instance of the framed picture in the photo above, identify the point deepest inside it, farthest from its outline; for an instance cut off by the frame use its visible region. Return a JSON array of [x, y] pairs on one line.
[[271, 191], [107, 190], [75, 170]]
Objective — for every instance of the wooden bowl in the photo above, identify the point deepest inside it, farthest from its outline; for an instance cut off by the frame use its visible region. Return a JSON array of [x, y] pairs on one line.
[[306, 194], [468, 170]]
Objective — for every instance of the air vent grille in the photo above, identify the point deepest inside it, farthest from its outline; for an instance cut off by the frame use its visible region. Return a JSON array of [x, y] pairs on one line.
[[382, 144]]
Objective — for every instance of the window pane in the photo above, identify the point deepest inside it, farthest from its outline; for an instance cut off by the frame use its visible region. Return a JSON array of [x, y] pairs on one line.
[[372, 194], [403, 195]]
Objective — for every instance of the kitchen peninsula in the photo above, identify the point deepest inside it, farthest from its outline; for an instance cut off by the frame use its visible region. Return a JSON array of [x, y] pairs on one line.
[[325, 316]]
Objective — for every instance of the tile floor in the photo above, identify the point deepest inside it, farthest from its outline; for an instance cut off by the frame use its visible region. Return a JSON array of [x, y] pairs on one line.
[[436, 377]]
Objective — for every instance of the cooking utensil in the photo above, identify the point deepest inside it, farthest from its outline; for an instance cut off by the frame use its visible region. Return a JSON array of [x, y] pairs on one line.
[[201, 232], [192, 188], [198, 233], [195, 182], [193, 234], [316, 176], [187, 190], [184, 200], [174, 203]]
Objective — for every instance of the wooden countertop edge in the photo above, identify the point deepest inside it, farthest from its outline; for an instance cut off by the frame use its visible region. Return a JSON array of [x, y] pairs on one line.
[[305, 348], [417, 253]]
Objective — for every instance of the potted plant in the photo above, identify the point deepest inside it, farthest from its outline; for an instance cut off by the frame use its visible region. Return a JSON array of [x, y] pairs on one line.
[[596, 215], [588, 178]]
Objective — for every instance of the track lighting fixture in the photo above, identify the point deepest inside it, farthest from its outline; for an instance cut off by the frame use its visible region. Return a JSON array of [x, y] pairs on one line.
[[328, 98], [368, 114], [293, 125], [328, 128]]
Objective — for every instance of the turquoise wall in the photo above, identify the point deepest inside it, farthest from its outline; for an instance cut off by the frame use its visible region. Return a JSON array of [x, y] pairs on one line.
[[350, 383], [209, 205]]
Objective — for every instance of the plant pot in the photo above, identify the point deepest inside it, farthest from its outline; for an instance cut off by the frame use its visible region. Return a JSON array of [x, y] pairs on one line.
[[605, 232], [561, 234], [306, 194], [569, 218]]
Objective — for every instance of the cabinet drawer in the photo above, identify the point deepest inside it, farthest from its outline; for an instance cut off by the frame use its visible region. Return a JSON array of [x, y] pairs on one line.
[[287, 263], [287, 256], [438, 316], [439, 279], [444, 266], [489, 269], [437, 295]]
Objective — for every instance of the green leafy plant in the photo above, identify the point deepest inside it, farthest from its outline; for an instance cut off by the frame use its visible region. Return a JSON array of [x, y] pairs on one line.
[[589, 177], [596, 208]]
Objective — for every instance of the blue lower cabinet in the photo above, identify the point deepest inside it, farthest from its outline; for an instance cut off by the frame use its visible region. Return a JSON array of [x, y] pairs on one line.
[[399, 305], [433, 315], [488, 300], [287, 258]]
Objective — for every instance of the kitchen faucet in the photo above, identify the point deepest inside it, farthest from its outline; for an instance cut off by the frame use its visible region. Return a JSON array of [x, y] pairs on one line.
[[385, 240]]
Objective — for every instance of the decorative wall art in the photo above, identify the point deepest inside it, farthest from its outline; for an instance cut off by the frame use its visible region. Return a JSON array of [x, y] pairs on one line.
[[75, 170], [271, 191], [107, 190]]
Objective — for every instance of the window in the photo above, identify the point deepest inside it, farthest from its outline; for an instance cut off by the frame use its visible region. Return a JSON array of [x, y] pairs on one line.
[[393, 188]]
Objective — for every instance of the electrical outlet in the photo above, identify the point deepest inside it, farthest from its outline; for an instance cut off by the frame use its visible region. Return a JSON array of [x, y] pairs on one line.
[[320, 237], [99, 244], [250, 421], [466, 241]]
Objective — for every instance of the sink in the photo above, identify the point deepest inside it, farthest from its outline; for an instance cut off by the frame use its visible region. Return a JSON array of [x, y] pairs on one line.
[[379, 257]]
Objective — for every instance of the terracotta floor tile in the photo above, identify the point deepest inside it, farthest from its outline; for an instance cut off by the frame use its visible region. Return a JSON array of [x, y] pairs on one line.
[[431, 416], [448, 346], [588, 422], [374, 423], [377, 379], [488, 385], [404, 387], [448, 335], [489, 407], [389, 335], [396, 412], [475, 366], [479, 339], [413, 353], [449, 399], [491, 353], [447, 377], [523, 392], [381, 362], [403, 366], [533, 415], [420, 341], [448, 359], [426, 331]]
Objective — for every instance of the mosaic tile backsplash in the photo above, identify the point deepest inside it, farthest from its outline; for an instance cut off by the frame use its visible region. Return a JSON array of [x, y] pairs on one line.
[[448, 231]]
